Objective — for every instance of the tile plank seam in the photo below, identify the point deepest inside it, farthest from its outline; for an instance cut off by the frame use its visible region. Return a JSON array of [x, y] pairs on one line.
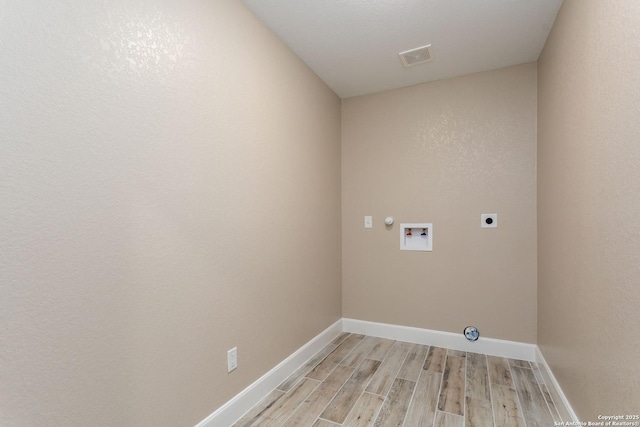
[[368, 378], [520, 408], [340, 388], [385, 396], [493, 410], [341, 339], [541, 382], [426, 353]]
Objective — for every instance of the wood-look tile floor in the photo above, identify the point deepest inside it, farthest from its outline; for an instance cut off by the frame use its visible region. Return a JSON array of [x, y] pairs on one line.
[[359, 380]]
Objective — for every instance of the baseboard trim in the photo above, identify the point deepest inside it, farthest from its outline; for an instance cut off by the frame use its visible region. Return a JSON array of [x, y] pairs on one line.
[[551, 381], [490, 346], [231, 411]]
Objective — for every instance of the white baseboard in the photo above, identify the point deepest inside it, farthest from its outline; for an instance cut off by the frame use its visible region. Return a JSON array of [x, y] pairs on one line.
[[551, 381], [231, 411], [490, 346]]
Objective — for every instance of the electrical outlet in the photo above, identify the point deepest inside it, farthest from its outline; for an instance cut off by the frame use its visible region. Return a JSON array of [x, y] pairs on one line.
[[489, 220], [232, 359]]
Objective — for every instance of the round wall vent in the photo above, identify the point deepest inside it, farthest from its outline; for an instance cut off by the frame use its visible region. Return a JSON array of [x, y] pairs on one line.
[[471, 333]]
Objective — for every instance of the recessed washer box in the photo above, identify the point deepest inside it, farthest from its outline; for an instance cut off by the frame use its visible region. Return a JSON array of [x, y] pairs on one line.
[[416, 236]]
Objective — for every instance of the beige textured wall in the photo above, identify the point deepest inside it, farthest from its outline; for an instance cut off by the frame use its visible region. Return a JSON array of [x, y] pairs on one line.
[[443, 152], [589, 205], [169, 189]]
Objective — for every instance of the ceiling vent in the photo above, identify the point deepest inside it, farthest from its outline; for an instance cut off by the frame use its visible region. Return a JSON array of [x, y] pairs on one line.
[[416, 56]]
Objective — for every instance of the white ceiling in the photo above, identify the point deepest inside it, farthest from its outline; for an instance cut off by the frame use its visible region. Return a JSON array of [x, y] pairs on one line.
[[353, 45]]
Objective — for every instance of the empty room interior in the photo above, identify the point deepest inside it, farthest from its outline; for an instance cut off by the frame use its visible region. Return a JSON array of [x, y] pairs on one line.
[[212, 208]]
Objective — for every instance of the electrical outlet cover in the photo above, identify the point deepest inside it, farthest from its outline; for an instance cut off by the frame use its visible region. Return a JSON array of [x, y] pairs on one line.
[[489, 220], [232, 359]]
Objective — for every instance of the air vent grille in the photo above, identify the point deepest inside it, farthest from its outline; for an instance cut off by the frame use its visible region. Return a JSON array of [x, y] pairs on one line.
[[416, 56]]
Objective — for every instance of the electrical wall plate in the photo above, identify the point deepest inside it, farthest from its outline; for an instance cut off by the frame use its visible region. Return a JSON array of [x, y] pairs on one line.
[[232, 359], [489, 220]]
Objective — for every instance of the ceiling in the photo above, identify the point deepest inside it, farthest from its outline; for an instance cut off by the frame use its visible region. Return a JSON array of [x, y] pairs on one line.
[[353, 45]]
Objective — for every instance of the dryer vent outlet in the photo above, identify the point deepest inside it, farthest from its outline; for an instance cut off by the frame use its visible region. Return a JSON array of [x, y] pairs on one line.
[[471, 333]]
